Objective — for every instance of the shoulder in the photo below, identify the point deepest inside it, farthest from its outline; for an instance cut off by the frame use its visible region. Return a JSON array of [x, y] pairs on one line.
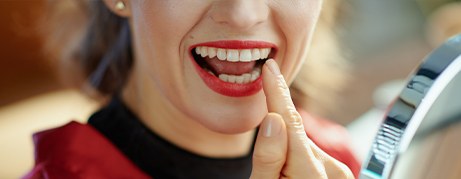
[[79, 151], [331, 138]]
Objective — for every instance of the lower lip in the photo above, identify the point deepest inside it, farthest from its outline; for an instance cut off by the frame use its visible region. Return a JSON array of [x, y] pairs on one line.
[[226, 88]]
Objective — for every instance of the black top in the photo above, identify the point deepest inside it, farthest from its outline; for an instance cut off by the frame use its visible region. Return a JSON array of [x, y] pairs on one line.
[[156, 156]]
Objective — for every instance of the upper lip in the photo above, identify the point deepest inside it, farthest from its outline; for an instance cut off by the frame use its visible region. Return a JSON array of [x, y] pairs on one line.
[[237, 44]]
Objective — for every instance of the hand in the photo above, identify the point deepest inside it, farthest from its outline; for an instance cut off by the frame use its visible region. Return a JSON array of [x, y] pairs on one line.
[[282, 148]]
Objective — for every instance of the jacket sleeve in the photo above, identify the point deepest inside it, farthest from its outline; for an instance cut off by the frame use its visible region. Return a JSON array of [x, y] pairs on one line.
[[76, 151]]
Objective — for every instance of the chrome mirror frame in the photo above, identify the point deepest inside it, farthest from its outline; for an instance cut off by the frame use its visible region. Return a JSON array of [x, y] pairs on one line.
[[423, 106]]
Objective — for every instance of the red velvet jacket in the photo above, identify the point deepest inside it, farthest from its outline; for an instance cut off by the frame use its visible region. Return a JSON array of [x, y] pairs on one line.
[[79, 151]]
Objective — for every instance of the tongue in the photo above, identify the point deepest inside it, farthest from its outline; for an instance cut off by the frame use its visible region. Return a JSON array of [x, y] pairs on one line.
[[230, 68]]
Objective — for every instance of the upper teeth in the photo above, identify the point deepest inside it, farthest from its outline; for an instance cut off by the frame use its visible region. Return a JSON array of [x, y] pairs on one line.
[[233, 55]]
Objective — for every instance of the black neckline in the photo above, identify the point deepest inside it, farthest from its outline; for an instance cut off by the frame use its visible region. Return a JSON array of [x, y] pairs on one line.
[[155, 155]]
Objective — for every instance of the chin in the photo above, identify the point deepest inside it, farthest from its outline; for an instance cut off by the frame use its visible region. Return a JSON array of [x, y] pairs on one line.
[[232, 124], [239, 118]]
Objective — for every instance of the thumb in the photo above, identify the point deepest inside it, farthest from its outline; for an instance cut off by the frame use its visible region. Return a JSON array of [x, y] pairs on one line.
[[270, 149]]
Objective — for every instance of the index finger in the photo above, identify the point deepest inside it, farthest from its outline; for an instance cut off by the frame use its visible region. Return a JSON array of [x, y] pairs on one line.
[[301, 160], [278, 96]]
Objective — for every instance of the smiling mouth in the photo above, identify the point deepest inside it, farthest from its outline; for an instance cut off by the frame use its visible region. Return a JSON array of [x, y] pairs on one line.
[[239, 66]]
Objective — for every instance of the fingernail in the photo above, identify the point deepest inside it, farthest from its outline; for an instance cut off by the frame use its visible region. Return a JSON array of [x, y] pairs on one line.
[[271, 126], [273, 67]]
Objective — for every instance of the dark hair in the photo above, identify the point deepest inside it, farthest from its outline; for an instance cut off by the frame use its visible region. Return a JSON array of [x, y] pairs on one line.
[[92, 44], [105, 52]]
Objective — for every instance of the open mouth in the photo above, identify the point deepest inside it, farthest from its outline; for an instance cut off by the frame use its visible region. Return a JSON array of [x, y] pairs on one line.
[[232, 67], [239, 66]]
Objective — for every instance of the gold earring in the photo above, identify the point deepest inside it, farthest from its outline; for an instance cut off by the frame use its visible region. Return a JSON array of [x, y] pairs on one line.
[[119, 5]]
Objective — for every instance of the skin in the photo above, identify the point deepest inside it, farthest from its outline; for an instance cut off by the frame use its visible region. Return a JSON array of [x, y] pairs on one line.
[[167, 94]]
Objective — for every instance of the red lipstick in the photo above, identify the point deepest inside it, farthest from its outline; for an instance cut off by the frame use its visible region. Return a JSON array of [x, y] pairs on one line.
[[228, 88], [236, 44]]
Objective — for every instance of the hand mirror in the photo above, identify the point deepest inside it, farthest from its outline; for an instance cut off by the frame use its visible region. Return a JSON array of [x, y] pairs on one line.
[[418, 137]]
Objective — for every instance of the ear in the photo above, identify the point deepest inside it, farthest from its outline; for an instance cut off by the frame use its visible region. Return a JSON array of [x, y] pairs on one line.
[[119, 7]]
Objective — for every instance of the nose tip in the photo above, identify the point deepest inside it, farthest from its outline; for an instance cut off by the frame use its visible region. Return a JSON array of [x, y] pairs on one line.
[[239, 14]]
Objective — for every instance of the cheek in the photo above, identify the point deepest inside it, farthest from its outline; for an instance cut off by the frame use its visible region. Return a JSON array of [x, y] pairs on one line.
[[162, 26], [169, 20], [296, 20], [158, 35], [298, 16]]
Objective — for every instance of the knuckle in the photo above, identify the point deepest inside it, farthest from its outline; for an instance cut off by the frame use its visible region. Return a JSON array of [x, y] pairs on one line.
[[294, 118], [283, 88], [281, 83]]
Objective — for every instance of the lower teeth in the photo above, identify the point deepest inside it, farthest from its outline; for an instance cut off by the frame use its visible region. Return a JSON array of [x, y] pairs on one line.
[[241, 79]]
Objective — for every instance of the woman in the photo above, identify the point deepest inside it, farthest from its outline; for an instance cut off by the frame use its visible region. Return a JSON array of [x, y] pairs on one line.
[[190, 82]]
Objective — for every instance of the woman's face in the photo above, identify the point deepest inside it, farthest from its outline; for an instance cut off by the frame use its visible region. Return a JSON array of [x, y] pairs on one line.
[[204, 57]]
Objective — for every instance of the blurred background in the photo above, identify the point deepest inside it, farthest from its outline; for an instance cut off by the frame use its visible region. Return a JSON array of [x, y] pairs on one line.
[[382, 40]]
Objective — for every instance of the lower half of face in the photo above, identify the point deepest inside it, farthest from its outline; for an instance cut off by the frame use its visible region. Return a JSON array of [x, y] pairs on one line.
[[184, 88], [229, 105], [206, 62]]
